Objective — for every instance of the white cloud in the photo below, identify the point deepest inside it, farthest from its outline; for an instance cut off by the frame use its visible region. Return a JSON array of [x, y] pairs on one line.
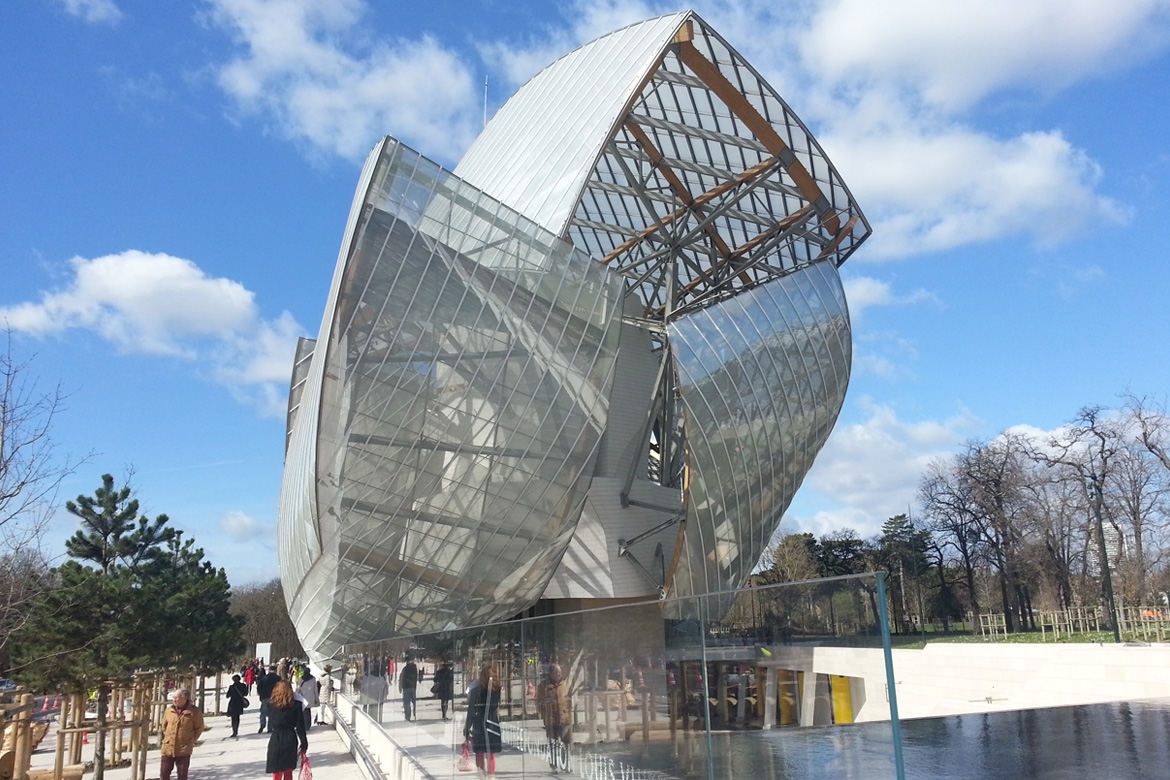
[[159, 304], [890, 89], [242, 527], [94, 11], [869, 471], [309, 70], [1070, 279], [933, 189], [863, 292], [952, 53], [257, 365]]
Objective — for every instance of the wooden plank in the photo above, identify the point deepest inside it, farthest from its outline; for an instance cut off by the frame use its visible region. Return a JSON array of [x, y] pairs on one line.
[[760, 127]]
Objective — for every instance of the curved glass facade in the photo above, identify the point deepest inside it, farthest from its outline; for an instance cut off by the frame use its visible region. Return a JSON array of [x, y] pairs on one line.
[[762, 377], [594, 362], [463, 379]]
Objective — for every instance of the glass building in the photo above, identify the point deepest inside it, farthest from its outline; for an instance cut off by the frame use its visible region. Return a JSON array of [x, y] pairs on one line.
[[591, 364]]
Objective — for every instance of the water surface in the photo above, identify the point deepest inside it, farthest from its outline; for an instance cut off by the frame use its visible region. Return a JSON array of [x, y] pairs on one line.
[[1119, 741]]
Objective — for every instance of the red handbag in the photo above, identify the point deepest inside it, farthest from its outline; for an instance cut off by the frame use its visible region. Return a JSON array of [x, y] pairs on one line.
[[465, 762], [306, 769]]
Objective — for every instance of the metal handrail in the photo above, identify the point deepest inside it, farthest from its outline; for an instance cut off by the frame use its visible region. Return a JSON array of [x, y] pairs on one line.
[[357, 749]]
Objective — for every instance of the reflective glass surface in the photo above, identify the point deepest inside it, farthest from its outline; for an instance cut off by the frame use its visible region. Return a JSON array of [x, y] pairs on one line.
[[762, 378], [787, 684], [464, 369]]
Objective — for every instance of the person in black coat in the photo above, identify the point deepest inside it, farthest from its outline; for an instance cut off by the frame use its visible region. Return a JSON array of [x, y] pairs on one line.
[[444, 687], [286, 721], [483, 720], [237, 694], [264, 687]]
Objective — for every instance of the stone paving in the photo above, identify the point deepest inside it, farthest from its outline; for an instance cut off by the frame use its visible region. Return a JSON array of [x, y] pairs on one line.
[[219, 756]]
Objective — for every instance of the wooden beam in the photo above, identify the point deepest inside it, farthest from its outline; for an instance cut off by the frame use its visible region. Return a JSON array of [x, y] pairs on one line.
[[792, 219], [735, 100], [692, 203], [837, 239]]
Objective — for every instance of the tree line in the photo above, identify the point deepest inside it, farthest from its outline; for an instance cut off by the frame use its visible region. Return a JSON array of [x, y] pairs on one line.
[[1022, 524]]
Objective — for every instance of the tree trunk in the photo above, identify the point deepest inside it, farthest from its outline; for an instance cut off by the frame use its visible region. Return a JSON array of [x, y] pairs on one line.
[[969, 569], [1005, 589], [99, 752]]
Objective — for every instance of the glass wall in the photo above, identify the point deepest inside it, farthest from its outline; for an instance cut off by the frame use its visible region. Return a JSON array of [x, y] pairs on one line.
[[790, 682]]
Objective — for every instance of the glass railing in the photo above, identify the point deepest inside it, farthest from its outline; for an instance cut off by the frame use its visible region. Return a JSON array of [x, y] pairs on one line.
[[787, 681]]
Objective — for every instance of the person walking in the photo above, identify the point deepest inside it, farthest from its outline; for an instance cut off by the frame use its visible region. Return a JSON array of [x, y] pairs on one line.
[[372, 693], [310, 692], [264, 687], [444, 687], [552, 702], [182, 726], [408, 684], [237, 696], [286, 721], [483, 720], [326, 688]]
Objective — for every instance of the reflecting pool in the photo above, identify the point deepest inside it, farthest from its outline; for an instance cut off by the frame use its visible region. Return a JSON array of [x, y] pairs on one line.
[[1129, 740]]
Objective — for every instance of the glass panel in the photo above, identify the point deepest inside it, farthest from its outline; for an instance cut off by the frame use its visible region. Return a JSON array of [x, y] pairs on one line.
[[762, 377], [788, 682], [463, 375]]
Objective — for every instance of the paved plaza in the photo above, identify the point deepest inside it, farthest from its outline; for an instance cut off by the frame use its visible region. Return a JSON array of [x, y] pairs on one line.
[[218, 756]]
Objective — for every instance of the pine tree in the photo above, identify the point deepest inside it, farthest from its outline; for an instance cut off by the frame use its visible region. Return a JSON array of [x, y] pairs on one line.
[[147, 599]]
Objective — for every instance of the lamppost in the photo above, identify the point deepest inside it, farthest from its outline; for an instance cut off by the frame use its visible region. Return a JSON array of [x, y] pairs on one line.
[[1097, 499]]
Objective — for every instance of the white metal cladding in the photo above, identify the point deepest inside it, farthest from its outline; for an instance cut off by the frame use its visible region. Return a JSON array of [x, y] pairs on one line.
[[462, 394], [660, 151], [538, 149], [762, 378]]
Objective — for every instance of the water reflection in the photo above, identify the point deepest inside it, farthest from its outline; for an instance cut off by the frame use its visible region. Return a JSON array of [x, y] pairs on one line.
[[1121, 740]]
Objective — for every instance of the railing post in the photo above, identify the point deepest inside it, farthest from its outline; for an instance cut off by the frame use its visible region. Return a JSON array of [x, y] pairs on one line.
[[895, 724]]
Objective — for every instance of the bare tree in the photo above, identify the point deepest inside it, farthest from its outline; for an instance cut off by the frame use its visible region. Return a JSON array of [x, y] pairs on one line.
[[998, 476], [951, 516], [1059, 535], [30, 473], [266, 618], [1087, 449], [29, 470], [1153, 426], [24, 575], [792, 559], [1137, 491], [979, 504]]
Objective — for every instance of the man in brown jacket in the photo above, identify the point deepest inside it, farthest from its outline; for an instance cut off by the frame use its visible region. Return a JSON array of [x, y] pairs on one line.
[[552, 700], [182, 725]]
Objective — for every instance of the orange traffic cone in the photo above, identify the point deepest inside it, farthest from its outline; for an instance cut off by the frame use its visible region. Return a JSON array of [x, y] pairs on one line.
[[671, 680], [641, 682], [46, 707], [85, 737], [531, 689]]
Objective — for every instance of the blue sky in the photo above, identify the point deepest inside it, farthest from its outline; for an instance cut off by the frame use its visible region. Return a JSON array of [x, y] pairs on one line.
[[175, 179]]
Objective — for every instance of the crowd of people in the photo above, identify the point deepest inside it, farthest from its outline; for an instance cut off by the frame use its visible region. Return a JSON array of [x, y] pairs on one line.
[[481, 726], [288, 695]]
